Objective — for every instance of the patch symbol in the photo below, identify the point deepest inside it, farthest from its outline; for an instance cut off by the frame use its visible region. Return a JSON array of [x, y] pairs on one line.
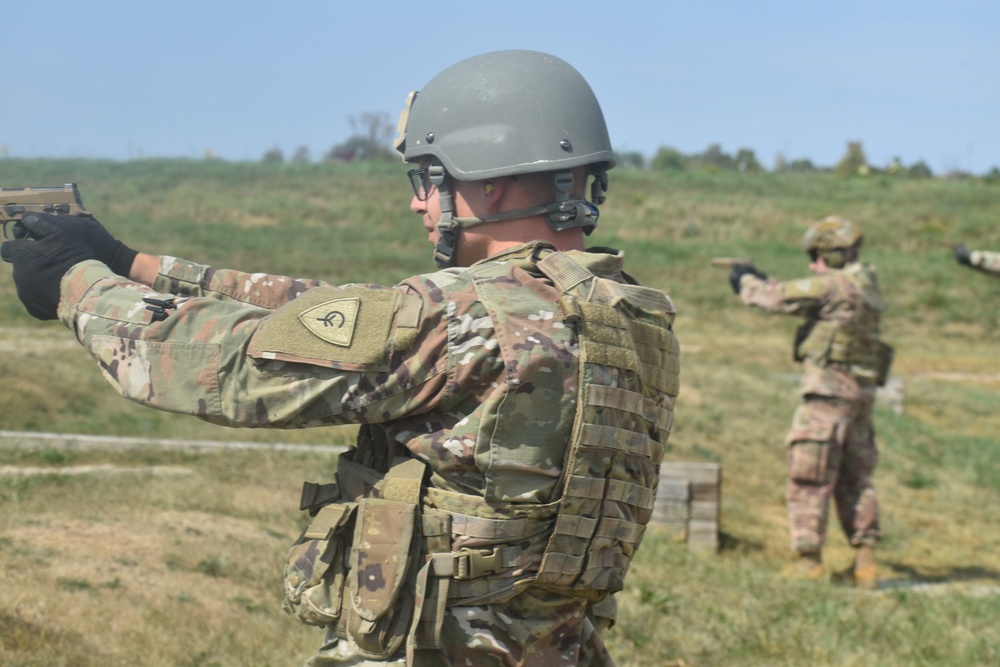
[[333, 321]]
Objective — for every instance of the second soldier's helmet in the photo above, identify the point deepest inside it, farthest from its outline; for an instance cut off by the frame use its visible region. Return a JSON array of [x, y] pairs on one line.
[[504, 113], [830, 237]]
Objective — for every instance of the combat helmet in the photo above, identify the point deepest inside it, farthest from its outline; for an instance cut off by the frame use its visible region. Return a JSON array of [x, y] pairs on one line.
[[506, 113], [830, 238]]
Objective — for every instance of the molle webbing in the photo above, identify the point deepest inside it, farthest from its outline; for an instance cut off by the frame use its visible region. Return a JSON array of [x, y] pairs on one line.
[[580, 544], [614, 340], [629, 369], [861, 346], [855, 342]]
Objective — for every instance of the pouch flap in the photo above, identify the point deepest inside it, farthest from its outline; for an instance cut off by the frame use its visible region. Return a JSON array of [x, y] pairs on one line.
[[329, 519], [383, 537], [815, 422]]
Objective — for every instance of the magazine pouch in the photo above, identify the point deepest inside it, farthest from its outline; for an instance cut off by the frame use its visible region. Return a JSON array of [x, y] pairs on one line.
[[383, 563]]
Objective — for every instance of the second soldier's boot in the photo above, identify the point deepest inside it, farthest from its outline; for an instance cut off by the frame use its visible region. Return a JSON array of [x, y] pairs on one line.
[[809, 566], [865, 569]]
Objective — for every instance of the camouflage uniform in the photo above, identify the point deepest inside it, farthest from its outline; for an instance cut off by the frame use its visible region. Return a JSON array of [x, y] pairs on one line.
[[831, 444], [484, 375]]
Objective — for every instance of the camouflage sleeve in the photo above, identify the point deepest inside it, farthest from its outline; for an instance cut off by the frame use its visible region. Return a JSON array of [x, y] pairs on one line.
[[335, 355], [803, 296], [183, 278], [986, 260]]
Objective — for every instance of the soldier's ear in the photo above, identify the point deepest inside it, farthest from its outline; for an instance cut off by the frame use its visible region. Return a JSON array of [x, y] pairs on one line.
[[494, 191]]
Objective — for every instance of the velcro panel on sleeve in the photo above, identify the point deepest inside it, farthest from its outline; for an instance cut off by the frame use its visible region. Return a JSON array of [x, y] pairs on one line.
[[336, 327], [804, 288], [407, 322]]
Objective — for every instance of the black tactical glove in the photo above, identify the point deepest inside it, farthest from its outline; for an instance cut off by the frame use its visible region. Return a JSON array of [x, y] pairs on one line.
[[40, 260], [740, 270], [962, 254], [82, 230]]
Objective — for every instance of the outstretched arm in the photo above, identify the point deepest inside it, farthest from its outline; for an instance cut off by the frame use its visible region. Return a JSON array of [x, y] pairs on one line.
[[793, 297], [984, 260]]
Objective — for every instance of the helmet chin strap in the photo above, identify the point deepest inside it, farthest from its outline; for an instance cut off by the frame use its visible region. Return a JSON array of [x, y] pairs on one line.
[[447, 226], [564, 213], [560, 215]]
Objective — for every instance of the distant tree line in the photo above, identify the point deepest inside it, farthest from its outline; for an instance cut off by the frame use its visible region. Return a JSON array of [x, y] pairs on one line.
[[853, 163], [371, 139], [373, 131]]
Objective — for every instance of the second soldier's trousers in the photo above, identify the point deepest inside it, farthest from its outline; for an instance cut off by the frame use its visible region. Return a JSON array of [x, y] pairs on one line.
[[832, 452]]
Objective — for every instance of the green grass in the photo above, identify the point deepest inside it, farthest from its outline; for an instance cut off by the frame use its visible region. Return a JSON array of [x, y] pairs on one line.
[[189, 564]]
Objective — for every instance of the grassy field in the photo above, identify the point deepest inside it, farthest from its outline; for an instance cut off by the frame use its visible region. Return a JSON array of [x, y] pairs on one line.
[[161, 556]]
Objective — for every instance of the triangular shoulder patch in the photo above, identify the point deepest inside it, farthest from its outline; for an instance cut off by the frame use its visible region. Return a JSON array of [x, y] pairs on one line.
[[346, 327], [333, 321]]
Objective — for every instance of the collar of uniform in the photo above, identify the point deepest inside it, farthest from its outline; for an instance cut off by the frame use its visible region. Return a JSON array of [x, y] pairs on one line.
[[598, 260], [523, 254]]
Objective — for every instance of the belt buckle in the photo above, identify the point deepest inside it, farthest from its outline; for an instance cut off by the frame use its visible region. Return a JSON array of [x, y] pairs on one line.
[[473, 563]]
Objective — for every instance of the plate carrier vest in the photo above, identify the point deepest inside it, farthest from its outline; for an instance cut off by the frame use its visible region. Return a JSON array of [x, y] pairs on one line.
[[580, 545]]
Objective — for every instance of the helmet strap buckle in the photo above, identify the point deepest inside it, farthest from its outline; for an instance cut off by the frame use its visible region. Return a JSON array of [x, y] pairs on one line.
[[574, 213], [563, 181], [436, 173], [599, 186], [567, 213], [447, 226]]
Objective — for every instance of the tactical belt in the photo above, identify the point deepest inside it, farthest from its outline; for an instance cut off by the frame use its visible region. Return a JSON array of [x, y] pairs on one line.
[[473, 563]]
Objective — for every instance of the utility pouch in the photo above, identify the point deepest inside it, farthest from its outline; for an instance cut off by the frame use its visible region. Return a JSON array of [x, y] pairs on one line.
[[814, 340], [812, 450], [808, 461], [317, 564], [801, 333], [381, 595]]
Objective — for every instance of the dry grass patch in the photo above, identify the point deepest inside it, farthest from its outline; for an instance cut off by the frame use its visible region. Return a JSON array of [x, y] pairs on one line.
[[155, 571]]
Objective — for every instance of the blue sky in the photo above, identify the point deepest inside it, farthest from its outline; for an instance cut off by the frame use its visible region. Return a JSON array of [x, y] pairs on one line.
[[918, 80]]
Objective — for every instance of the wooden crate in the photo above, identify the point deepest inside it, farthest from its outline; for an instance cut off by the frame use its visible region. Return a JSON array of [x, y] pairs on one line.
[[687, 503]]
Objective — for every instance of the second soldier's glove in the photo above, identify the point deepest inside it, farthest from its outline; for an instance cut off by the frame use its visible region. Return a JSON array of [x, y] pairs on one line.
[[740, 270], [962, 254], [41, 261]]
